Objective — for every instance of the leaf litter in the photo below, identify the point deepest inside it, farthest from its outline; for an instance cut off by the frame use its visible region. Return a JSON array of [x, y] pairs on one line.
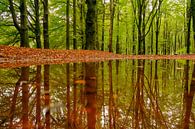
[[20, 57]]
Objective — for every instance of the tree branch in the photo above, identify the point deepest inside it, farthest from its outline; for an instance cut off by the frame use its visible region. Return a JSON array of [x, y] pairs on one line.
[[14, 17]]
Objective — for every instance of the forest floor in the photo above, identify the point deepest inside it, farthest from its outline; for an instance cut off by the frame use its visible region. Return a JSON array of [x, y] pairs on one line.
[[20, 57]]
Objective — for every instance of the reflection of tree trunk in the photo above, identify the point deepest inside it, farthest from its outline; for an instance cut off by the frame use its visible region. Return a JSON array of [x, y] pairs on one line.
[[38, 99], [47, 96], [188, 96], [25, 96], [111, 118], [75, 94], [91, 92], [103, 110], [68, 94], [139, 94], [13, 104]]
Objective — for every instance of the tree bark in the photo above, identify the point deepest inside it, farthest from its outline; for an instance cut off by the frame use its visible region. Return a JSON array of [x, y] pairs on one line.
[[111, 25], [24, 24], [37, 24], [74, 26], [103, 25], [188, 27], [117, 37], [46, 24], [90, 25]]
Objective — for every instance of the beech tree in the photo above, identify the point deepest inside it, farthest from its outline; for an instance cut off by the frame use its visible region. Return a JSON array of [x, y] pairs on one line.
[[23, 26], [46, 24]]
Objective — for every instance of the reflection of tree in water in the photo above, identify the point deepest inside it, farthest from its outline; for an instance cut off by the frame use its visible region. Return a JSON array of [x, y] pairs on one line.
[[104, 102], [189, 92], [23, 85], [144, 110]]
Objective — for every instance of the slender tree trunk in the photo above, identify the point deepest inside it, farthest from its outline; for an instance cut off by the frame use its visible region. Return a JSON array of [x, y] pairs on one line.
[[46, 24], [117, 36], [67, 25], [74, 25], [14, 16], [188, 27], [193, 18], [139, 26], [24, 24], [81, 23], [158, 26], [152, 39], [175, 43], [127, 34], [37, 24], [103, 25], [96, 32], [111, 25], [134, 36]]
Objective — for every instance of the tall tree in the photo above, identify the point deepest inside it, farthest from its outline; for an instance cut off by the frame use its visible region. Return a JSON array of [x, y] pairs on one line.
[[90, 68], [117, 35], [158, 25], [103, 24], [90, 24], [23, 26], [81, 8], [111, 25], [37, 24], [193, 17], [46, 24], [74, 25], [144, 21], [67, 25]]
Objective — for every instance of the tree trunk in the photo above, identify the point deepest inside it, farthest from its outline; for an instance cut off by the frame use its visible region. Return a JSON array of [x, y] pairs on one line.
[[45, 24], [193, 18], [37, 24], [81, 6], [111, 25], [74, 25], [117, 36], [103, 25], [24, 24], [188, 27], [90, 25]]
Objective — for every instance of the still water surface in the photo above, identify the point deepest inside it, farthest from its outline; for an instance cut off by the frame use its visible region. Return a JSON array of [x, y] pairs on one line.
[[128, 94]]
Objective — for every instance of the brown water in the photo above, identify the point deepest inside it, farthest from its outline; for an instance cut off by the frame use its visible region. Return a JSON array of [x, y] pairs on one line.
[[128, 94]]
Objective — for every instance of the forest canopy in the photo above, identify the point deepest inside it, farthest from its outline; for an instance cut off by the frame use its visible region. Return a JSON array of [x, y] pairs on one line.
[[121, 26]]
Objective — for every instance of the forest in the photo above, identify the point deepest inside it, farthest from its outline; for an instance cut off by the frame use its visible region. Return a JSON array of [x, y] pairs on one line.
[[110, 64], [119, 26]]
